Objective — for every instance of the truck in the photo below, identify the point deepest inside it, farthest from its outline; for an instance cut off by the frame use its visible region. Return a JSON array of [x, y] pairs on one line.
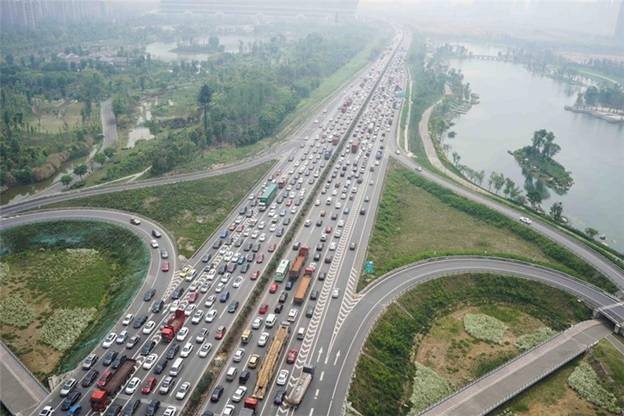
[[249, 407], [335, 139], [267, 196], [295, 396], [102, 396], [354, 147], [271, 362], [297, 265], [303, 286], [173, 325], [281, 183]]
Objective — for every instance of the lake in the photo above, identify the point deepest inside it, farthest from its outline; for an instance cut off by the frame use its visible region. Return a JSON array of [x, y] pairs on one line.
[[164, 51], [513, 104]]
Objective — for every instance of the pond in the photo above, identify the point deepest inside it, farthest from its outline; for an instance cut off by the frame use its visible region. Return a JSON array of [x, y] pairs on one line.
[[513, 104]]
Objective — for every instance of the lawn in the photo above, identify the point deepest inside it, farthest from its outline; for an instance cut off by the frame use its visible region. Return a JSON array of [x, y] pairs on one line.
[[386, 369], [419, 220], [192, 211], [67, 281]]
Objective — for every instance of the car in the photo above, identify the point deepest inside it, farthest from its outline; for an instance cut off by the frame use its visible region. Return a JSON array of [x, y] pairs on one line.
[[113, 410], [274, 287], [216, 394], [291, 357], [243, 376], [135, 221], [292, 314], [149, 327], [127, 319], [279, 397], [164, 266], [166, 385], [148, 347], [228, 410], [211, 315], [220, 332], [263, 339], [89, 362], [328, 259], [283, 296], [109, 340], [526, 220], [239, 394], [260, 259], [108, 358], [272, 248], [314, 295], [197, 317], [309, 312], [182, 333], [161, 366], [164, 254], [186, 350], [224, 297], [132, 385], [183, 390], [172, 351], [238, 355], [257, 323], [132, 407], [170, 410], [152, 408], [233, 307], [46, 411], [89, 378], [210, 300], [158, 306], [149, 361], [106, 375], [282, 377], [335, 293], [149, 384], [201, 336], [188, 311], [263, 309], [289, 285], [353, 245], [67, 387], [204, 350], [70, 400], [121, 337], [154, 243]]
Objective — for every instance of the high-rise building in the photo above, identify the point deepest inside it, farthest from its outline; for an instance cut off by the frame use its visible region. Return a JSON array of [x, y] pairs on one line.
[[619, 26]]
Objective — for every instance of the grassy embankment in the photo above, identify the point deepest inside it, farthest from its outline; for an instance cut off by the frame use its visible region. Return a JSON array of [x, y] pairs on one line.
[[190, 210], [554, 395], [63, 284], [387, 367], [420, 219]]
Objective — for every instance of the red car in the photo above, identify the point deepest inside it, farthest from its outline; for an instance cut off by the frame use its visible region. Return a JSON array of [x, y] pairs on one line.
[[148, 386], [292, 356], [328, 229], [263, 309], [106, 375], [272, 248], [273, 288], [289, 202], [255, 275], [240, 228], [259, 258], [165, 266], [220, 332], [192, 297]]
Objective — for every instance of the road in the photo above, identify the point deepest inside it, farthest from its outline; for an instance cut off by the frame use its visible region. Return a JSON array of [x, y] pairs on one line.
[[109, 123]]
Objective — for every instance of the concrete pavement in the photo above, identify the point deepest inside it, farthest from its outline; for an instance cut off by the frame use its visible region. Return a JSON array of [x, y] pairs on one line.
[[20, 391]]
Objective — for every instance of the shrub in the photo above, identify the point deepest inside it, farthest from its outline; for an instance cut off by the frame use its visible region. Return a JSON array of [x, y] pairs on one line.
[[429, 387], [584, 381], [484, 327], [15, 312], [528, 341], [64, 327]]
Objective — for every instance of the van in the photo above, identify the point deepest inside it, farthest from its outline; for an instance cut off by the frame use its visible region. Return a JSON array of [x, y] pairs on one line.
[[246, 336], [176, 367], [231, 373], [270, 320], [301, 333]]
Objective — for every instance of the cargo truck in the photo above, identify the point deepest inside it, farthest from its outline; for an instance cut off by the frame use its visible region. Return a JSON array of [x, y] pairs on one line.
[[297, 265], [102, 396], [295, 396], [271, 362], [172, 326], [249, 407], [354, 147], [303, 286]]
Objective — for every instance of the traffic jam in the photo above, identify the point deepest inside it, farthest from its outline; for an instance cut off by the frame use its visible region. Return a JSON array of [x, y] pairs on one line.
[[150, 364]]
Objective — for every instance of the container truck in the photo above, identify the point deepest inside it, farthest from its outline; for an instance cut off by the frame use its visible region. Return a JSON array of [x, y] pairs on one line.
[[303, 286], [173, 325], [297, 265], [102, 396], [271, 362], [295, 396]]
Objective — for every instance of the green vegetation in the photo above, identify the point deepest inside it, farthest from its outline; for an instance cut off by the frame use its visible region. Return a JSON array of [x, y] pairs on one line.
[[611, 96], [192, 211], [585, 382], [485, 327], [528, 341], [420, 219], [428, 388], [386, 369], [75, 278]]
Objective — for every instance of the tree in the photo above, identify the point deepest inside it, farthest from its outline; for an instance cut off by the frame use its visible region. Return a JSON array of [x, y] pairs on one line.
[[66, 180], [549, 147], [591, 232], [204, 98], [538, 140], [556, 211], [510, 185], [100, 158], [109, 152], [534, 197], [499, 181], [456, 158], [80, 170]]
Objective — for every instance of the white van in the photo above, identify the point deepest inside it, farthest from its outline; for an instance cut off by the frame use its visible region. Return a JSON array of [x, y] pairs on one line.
[[176, 367], [301, 333], [231, 373], [270, 320]]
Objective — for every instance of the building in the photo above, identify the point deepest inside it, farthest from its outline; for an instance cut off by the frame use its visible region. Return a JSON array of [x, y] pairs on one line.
[[619, 26], [253, 7]]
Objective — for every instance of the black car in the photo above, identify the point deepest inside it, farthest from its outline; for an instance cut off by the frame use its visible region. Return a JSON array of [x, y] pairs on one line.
[[172, 351], [233, 306], [118, 362], [309, 311], [320, 246], [289, 285], [149, 295], [317, 256], [221, 269], [362, 211], [296, 246], [206, 258], [113, 410], [132, 408], [207, 413], [245, 268], [278, 308], [177, 293], [286, 221], [148, 347], [243, 376], [91, 376], [314, 295], [71, 398], [250, 257], [279, 397], [139, 321], [152, 408], [283, 296], [248, 246], [109, 357], [329, 259], [161, 366], [256, 248], [321, 276], [158, 306], [216, 394], [216, 244]]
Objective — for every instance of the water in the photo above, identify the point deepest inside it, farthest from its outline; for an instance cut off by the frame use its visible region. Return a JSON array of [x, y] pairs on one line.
[[513, 104], [164, 50]]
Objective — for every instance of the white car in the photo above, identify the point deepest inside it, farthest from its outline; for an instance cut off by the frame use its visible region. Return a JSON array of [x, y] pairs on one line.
[[282, 377], [132, 385], [261, 225], [46, 411], [128, 318], [237, 282], [210, 300], [204, 350], [182, 333], [170, 411], [149, 361], [149, 327], [228, 410], [183, 390], [186, 350], [108, 341], [262, 237], [526, 220], [174, 305], [68, 385], [336, 293], [263, 339], [189, 309], [239, 394], [238, 355], [197, 316], [307, 222], [211, 315], [219, 287], [257, 323], [332, 246], [292, 315], [121, 338], [154, 244], [225, 278]]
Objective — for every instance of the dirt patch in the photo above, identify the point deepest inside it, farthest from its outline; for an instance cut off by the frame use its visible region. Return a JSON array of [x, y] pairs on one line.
[[149, 201]]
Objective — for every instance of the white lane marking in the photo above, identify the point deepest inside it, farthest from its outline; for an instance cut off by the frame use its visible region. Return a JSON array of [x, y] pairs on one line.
[[337, 356], [322, 375], [318, 358]]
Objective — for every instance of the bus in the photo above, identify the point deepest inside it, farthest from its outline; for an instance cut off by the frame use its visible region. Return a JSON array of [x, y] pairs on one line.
[[282, 269], [269, 193]]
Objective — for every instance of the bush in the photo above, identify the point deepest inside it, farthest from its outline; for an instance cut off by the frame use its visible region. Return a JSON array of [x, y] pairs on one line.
[[63, 328], [15, 312], [428, 388], [528, 341], [585, 382], [484, 327]]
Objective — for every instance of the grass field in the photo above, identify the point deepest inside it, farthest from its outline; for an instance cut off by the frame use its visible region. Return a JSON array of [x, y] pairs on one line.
[[65, 281], [386, 368], [419, 219], [192, 211]]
